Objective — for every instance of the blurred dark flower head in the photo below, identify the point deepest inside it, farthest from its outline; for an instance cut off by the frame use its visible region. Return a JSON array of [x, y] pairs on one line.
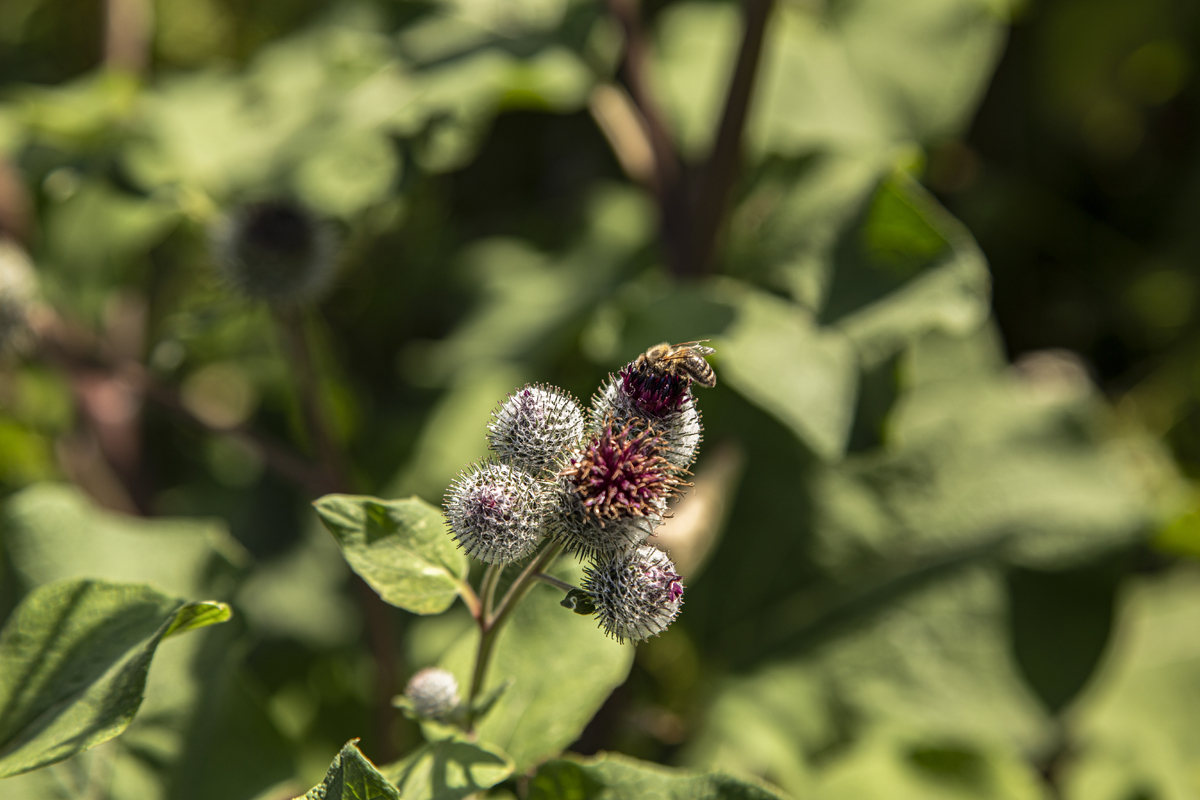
[[275, 250]]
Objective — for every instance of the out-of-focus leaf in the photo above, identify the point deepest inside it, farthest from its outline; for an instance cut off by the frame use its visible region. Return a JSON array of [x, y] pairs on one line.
[[352, 777], [310, 108], [25, 456], [863, 75], [75, 659], [1181, 536], [81, 112], [53, 532], [531, 300], [612, 776], [933, 273], [935, 665], [697, 46], [653, 311], [1060, 622], [453, 436], [448, 770], [400, 547], [901, 767], [777, 356], [93, 239], [981, 453], [299, 594], [1134, 724], [564, 668], [787, 231], [347, 172]]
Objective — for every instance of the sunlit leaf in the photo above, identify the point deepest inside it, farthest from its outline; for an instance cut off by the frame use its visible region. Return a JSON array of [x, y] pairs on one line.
[[777, 356], [401, 548], [352, 777], [75, 656], [448, 770], [614, 777], [1135, 722]]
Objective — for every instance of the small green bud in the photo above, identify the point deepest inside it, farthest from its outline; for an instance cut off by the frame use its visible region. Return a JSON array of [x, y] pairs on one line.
[[433, 693]]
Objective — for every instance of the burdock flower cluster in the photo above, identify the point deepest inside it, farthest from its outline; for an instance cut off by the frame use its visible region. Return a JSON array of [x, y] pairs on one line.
[[595, 485]]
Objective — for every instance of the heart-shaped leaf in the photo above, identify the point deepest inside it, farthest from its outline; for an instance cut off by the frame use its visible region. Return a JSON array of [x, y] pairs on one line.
[[399, 547], [448, 770]]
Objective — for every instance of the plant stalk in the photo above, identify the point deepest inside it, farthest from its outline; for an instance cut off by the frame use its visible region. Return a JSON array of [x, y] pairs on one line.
[[490, 623], [379, 616]]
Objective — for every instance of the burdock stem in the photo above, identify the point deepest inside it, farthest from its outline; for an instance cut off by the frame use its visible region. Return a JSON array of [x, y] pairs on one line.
[[490, 623], [550, 580], [379, 616], [487, 589]]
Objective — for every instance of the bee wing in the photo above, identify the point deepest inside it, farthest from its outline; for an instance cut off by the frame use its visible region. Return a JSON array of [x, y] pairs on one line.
[[683, 348]]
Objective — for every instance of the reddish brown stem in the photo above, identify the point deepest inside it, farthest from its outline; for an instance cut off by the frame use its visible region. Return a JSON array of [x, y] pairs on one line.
[[692, 207], [724, 163], [669, 178], [379, 615]]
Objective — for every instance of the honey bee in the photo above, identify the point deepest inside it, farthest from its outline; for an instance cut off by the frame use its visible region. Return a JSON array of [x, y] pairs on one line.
[[683, 360]]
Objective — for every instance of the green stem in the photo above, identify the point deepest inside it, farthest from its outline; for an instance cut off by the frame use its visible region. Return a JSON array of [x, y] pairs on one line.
[[487, 588], [524, 583], [550, 580], [473, 602], [491, 622], [379, 616]]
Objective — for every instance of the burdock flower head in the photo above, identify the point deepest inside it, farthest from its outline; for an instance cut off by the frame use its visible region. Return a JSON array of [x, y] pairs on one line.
[[680, 431], [496, 512], [636, 593], [275, 250], [433, 693], [656, 389], [617, 488], [622, 473], [595, 487], [536, 428]]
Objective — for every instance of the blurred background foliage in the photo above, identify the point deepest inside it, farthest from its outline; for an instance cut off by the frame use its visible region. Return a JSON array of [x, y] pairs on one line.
[[941, 537]]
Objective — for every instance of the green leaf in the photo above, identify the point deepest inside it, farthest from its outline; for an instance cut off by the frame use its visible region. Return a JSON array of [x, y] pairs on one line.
[[401, 548], [934, 665], [198, 615], [53, 532], [778, 358], [615, 777], [907, 765], [352, 777], [1135, 724], [865, 74], [448, 770], [197, 710], [564, 668], [929, 273], [75, 657], [1061, 621]]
